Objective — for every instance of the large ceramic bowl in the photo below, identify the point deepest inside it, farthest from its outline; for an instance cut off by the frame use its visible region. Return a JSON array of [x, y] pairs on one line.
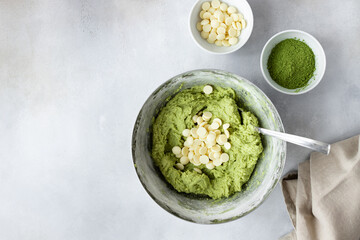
[[199, 209], [320, 60]]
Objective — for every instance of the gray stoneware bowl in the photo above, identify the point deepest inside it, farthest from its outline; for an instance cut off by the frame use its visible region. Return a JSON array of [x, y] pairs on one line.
[[204, 210]]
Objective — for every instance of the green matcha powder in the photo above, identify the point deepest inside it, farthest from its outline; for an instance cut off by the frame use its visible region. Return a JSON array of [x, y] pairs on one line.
[[291, 63]]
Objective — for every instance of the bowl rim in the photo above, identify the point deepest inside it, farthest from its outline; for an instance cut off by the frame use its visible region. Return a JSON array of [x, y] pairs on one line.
[[271, 83], [225, 52], [278, 173]]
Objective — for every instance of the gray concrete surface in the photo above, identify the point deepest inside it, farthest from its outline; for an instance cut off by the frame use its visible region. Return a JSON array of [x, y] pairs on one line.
[[73, 76]]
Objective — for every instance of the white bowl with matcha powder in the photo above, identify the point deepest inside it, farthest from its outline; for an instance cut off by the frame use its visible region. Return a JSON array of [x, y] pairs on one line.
[[309, 40]]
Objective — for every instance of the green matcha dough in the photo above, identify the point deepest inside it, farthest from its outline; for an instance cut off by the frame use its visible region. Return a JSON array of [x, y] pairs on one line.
[[224, 180]]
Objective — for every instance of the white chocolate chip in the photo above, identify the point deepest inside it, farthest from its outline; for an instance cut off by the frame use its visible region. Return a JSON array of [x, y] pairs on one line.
[[197, 170], [190, 140], [184, 160], [224, 157], [225, 43], [221, 139], [227, 145], [232, 32], [217, 13], [208, 89], [210, 40], [197, 142], [199, 120], [207, 116], [210, 165], [238, 25], [193, 132], [231, 10], [216, 148], [215, 23], [215, 125], [205, 6], [234, 25], [207, 28], [179, 166], [203, 150], [176, 150], [204, 22], [204, 34], [218, 120], [185, 151], [215, 3], [207, 15], [197, 150], [218, 43], [212, 37], [201, 132], [204, 159], [196, 161], [191, 155], [220, 37], [243, 23], [217, 162], [223, 7], [203, 124], [199, 26], [203, 138], [186, 132], [227, 133], [233, 40], [210, 144], [235, 16], [229, 20], [221, 30], [226, 126], [211, 137], [221, 17]]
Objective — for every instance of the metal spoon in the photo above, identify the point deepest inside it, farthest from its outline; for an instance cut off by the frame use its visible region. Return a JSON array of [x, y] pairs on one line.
[[302, 141]]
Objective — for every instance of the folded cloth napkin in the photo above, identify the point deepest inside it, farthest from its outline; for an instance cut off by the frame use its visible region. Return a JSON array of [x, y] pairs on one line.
[[323, 197]]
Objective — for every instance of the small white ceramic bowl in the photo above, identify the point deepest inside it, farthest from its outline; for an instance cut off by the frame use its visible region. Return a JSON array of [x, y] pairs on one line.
[[242, 6], [320, 60]]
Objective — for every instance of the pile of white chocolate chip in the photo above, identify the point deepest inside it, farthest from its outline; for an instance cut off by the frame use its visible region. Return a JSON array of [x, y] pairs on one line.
[[220, 24], [203, 142]]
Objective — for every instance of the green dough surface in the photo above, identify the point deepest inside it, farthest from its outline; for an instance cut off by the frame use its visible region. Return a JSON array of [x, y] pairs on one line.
[[246, 146]]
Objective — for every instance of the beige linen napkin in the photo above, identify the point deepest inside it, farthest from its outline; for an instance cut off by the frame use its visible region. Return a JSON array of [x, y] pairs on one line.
[[323, 198]]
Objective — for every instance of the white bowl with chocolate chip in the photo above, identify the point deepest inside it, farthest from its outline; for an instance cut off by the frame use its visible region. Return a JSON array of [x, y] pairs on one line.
[[221, 27]]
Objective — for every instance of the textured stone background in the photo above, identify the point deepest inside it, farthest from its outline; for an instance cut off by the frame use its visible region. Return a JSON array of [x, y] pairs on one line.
[[75, 73]]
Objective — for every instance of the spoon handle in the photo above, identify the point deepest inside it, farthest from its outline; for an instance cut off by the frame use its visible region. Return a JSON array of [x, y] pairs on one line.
[[302, 141]]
